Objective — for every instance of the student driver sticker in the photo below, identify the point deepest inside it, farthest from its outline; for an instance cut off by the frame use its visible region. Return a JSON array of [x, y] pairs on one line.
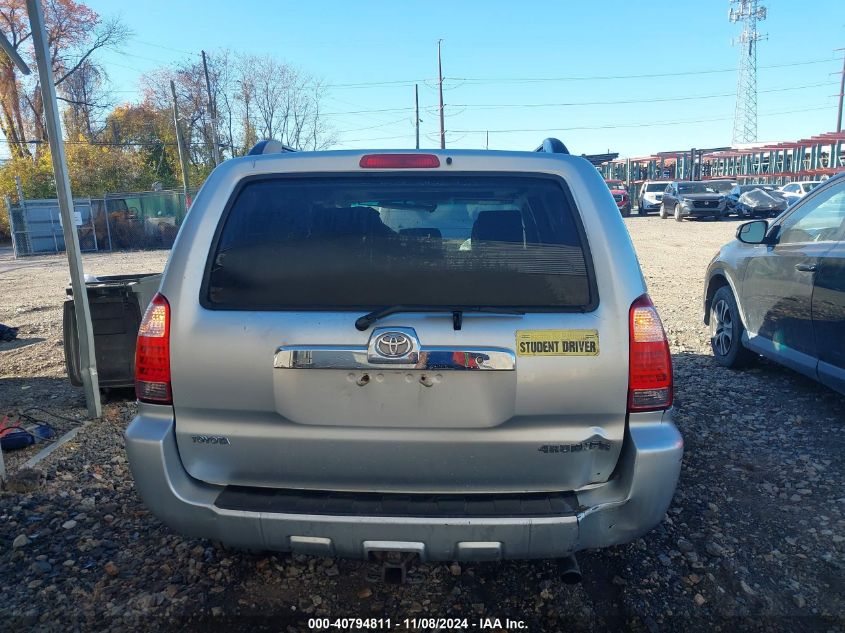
[[557, 343]]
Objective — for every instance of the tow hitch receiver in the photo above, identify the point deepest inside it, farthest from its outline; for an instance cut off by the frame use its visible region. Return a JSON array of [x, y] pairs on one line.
[[395, 566]]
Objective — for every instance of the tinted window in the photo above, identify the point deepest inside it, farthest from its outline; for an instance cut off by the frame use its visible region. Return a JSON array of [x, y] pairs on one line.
[[655, 187], [370, 241]]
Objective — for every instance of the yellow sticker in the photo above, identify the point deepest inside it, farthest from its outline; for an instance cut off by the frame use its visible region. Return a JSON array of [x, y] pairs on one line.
[[557, 343]]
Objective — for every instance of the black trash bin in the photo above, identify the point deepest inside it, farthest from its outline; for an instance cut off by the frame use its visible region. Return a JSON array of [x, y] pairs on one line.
[[117, 304]]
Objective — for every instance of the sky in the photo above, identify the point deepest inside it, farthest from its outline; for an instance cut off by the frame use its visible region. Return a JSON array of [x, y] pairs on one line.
[[504, 63]]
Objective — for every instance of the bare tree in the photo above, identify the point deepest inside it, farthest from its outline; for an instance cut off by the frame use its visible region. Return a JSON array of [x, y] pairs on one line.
[[189, 77], [288, 104], [256, 97], [84, 93]]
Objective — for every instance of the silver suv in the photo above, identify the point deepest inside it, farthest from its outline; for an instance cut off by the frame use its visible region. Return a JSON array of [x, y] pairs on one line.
[[450, 354]]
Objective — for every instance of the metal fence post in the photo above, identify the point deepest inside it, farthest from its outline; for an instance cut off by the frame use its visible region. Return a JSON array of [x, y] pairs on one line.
[[108, 223], [88, 361], [12, 226]]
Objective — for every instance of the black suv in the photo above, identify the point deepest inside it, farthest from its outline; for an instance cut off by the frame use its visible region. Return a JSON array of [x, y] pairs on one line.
[[778, 290]]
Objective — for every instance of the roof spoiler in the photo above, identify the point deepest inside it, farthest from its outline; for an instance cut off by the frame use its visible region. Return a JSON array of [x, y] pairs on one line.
[[552, 146], [269, 146]]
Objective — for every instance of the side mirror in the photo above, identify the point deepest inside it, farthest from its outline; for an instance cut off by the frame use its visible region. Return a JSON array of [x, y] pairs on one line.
[[753, 232]]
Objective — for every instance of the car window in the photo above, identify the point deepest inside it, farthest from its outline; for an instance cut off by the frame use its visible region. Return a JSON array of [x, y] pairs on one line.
[[365, 242], [695, 187], [819, 219]]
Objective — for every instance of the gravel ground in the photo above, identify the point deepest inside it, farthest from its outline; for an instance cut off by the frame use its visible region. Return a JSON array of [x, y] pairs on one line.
[[754, 538]]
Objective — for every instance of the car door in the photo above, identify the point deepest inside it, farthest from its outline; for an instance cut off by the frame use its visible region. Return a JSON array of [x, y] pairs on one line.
[[828, 311], [669, 197], [777, 287]]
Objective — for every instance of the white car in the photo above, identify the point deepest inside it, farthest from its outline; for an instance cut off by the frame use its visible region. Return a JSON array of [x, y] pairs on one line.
[[651, 195], [794, 191]]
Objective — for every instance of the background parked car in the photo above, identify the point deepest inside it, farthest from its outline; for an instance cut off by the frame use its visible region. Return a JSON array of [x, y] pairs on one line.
[[651, 194], [732, 198], [759, 203], [785, 301], [695, 199], [794, 191], [620, 196]]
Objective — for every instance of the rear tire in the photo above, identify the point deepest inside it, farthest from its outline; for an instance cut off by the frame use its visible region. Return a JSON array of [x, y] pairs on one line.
[[678, 216], [663, 214], [726, 331]]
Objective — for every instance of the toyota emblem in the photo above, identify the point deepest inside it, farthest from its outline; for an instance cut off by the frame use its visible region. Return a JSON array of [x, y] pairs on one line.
[[393, 344]]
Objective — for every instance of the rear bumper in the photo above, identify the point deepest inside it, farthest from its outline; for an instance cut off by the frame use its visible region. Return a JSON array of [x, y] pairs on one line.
[[629, 505]]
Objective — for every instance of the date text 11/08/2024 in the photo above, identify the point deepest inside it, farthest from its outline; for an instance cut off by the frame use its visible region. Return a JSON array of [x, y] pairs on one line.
[[416, 624]]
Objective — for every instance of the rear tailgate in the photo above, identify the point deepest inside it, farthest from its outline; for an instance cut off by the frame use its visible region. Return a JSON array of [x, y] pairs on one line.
[[553, 423], [274, 386]]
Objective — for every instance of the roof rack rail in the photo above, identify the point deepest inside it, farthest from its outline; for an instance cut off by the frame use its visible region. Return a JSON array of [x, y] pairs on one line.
[[552, 146], [269, 146]]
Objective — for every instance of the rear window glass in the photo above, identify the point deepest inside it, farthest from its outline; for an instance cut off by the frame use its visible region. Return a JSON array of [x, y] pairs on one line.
[[373, 241]]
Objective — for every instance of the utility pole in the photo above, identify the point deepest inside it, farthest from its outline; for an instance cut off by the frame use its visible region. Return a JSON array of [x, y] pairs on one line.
[[183, 160], [487, 142], [87, 359], [215, 149], [440, 76], [841, 94], [417, 112]]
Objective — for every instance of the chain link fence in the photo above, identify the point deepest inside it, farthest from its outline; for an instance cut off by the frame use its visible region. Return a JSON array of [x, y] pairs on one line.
[[116, 222]]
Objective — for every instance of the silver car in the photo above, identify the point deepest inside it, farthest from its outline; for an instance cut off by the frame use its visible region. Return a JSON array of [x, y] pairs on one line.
[[449, 354]]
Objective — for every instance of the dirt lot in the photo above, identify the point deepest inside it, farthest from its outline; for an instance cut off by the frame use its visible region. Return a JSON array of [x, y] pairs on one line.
[[755, 537]]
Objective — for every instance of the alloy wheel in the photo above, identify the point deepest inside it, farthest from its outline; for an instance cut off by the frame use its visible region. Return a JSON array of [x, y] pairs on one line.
[[721, 327]]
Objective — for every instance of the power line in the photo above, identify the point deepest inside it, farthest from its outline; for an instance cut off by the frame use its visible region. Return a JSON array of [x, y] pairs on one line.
[[633, 125], [135, 55], [624, 101], [636, 76], [373, 127], [167, 48]]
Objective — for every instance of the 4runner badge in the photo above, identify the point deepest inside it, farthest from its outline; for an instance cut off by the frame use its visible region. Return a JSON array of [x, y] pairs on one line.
[[589, 445]]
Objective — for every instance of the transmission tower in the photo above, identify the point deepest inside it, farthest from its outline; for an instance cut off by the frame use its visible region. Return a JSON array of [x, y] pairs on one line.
[[749, 13]]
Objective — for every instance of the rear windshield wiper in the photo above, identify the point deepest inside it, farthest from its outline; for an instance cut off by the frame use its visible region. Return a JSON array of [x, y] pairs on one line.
[[362, 323]]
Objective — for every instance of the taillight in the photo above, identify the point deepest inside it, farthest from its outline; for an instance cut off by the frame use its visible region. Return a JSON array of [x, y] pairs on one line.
[[650, 362], [399, 161], [152, 354]]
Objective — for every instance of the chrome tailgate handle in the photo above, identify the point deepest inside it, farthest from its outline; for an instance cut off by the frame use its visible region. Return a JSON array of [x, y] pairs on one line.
[[426, 358]]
